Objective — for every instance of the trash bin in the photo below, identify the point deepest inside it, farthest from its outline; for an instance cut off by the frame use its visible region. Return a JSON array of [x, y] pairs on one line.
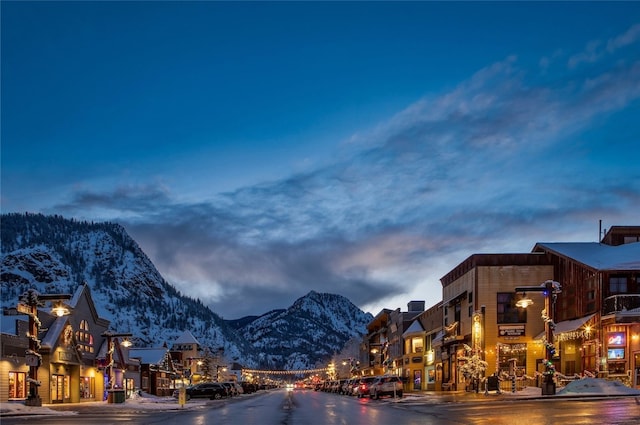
[[493, 383], [548, 388], [115, 396]]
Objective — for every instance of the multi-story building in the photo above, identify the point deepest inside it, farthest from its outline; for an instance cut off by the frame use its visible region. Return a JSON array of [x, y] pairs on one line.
[[399, 322], [69, 367], [421, 359], [374, 348], [598, 310], [185, 353], [481, 290]]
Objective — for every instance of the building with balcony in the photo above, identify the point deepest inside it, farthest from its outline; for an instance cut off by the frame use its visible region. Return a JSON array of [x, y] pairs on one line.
[[374, 356], [598, 312]]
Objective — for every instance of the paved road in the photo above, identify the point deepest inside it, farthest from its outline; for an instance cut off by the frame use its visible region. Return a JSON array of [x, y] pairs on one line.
[[307, 407]]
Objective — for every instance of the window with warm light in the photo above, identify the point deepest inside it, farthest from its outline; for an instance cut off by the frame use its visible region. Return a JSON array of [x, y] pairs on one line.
[[85, 338], [417, 345], [512, 351], [17, 385]]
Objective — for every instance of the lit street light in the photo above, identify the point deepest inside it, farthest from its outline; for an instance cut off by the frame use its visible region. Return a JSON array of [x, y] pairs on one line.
[[550, 290], [29, 303]]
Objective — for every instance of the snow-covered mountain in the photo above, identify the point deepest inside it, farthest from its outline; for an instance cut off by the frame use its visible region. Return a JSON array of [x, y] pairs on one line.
[[56, 255], [308, 332]]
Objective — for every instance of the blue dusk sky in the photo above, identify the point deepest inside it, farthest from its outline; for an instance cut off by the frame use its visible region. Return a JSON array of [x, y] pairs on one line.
[[257, 151]]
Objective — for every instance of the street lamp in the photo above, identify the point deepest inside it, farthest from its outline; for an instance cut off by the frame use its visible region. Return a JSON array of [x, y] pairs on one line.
[[110, 348], [550, 290], [29, 303], [218, 368]]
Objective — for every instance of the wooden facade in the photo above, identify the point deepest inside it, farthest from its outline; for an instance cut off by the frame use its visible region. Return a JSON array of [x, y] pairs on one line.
[[68, 372]]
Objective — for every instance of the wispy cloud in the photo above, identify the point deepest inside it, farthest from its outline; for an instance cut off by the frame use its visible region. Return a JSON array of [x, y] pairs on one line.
[[500, 158], [596, 50]]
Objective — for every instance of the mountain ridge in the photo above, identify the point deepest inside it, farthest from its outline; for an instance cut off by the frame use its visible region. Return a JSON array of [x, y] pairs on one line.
[[55, 254]]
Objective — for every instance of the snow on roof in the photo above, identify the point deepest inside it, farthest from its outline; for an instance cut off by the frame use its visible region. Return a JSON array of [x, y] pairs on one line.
[[186, 338], [416, 326], [149, 355], [568, 325], [597, 255], [54, 331]]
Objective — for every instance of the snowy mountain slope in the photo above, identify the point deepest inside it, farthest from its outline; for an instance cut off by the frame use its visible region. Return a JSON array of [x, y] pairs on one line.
[[56, 255], [316, 324]]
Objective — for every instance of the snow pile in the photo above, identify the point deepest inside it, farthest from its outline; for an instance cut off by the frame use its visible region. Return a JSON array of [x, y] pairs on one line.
[[19, 408], [138, 402], [595, 386]]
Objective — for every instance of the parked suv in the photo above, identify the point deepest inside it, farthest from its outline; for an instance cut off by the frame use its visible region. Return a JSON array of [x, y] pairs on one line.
[[364, 386], [390, 385], [211, 390]]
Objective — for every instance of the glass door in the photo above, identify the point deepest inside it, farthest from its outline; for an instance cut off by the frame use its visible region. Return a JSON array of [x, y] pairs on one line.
[[60, 388], [57, 388]]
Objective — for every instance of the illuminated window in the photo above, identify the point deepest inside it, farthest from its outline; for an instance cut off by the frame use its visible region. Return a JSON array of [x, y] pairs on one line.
[[17, 385], [417, 345], [512, 351], [85, 338]]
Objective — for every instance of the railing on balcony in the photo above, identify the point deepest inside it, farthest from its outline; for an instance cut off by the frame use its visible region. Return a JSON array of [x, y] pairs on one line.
[[621, 304]]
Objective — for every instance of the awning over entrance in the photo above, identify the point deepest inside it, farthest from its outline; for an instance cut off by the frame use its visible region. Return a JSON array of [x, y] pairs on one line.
[[570, 329], [437, 340]]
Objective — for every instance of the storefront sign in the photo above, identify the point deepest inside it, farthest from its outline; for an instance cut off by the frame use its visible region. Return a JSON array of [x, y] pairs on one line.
[[511, 330], [64, 356], [22, 308], [32, 360], [616, 338]]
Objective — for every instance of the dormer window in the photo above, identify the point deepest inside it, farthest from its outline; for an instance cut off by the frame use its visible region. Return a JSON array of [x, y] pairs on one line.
[[84, 338]]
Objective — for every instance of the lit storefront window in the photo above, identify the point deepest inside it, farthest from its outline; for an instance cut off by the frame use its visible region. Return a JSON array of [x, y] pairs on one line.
[[17, 385]]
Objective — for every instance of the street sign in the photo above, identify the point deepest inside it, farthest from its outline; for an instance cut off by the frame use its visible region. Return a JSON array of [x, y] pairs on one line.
[[32, 360], [23, 308]]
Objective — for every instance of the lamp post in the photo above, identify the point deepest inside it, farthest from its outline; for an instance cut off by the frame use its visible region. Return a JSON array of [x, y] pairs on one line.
[[353, 365], [218, 368], [29, 303], [550, 290], [109, 357]]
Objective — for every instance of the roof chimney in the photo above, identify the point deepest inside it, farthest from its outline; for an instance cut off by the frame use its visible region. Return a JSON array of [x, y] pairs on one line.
[[415, 306]]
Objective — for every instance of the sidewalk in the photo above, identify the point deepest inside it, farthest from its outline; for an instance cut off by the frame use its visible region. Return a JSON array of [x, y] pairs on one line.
[[584, 389]]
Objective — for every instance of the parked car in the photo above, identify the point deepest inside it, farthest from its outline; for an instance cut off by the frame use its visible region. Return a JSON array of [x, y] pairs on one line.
[[364, 387], [231, 389], [211, 390], [353, 386], [390, 385], [239, 388], [249, 387]]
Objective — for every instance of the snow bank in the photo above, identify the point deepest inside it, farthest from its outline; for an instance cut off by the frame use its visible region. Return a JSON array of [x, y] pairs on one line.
[[595, 386]]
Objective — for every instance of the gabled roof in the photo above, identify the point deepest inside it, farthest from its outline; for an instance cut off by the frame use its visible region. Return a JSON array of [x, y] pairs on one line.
[[154, 356], [596, 255], [54, 331], [416, 327], [85, 291], [186, 338]]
